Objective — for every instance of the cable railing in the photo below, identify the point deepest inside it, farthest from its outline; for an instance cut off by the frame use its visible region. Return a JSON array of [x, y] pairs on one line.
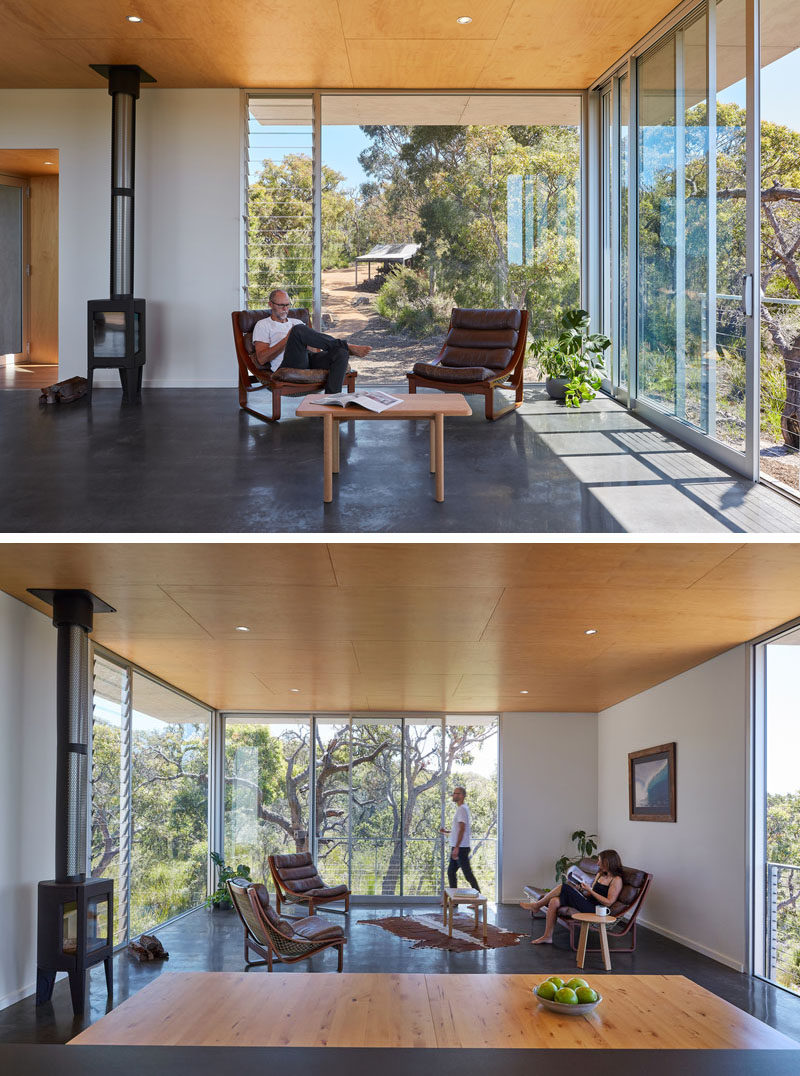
[[783, 924], [372, 872]]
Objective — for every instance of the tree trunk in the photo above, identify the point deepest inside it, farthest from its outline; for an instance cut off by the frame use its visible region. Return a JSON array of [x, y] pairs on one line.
[[790, 419]]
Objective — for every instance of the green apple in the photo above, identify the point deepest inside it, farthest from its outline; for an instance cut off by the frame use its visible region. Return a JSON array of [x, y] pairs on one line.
[[573, 984], [546, 990], [586, 994], [555, 979], [565, 996]]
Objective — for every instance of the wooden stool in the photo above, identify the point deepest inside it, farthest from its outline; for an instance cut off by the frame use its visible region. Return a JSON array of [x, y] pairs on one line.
[[587, 919], [452, 897]]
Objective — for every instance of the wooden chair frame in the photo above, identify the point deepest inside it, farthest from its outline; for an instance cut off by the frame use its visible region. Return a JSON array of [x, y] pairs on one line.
[[267, 941], [620, 929], [509, 378], [289, 896], [252, 377]]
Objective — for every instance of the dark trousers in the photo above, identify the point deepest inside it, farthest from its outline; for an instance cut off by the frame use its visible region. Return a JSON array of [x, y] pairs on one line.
[[333, 355], [465, 865]]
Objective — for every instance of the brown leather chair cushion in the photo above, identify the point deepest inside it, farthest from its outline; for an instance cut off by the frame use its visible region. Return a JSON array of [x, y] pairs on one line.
[[290, 375], [485, 338], [489, 358], [464, 374], [328, 891], [298, 872], [315, 928], [486, 319]]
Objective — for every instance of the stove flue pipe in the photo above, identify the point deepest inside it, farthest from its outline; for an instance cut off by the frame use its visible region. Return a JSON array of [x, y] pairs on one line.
[[73, 614], [123, 86]]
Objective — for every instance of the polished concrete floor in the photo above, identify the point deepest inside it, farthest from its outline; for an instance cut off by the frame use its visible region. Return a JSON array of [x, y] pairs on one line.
[[212, 941], [189, 461]]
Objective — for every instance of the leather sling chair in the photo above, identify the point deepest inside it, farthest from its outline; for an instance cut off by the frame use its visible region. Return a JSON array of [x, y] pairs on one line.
[[625, 908], [297, 881], [283, 382], [270, 936], [484, 350]]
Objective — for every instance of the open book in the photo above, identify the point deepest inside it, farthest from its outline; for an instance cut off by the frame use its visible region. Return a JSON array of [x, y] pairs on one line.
[[373, 400]]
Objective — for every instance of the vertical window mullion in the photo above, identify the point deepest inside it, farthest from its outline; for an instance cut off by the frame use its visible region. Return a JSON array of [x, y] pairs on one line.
[[125, 798], [708, 388]]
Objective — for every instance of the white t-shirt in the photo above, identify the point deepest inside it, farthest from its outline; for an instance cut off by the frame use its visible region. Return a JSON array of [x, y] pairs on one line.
[[269, 331], [461, 815]]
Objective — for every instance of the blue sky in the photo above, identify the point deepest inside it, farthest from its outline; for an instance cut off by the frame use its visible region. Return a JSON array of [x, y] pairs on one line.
[[783, 720], [340, 149]]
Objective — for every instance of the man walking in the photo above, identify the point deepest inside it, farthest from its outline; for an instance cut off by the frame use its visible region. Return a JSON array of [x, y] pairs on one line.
[[460, 837], [283, 341]]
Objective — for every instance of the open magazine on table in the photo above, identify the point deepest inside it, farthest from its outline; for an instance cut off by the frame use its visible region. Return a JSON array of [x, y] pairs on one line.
[[372, 399]]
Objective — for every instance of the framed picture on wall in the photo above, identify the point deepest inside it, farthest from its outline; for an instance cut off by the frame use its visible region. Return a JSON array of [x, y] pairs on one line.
[[651, 784]]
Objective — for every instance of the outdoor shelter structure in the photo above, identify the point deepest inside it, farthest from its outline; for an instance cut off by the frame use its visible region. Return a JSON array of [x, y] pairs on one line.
[[387, 254]]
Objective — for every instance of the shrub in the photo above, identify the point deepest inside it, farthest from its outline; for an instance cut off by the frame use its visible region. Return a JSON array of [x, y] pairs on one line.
[[404, 301]]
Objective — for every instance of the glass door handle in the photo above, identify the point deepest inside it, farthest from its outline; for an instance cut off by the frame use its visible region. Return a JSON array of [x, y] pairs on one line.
[[747, 296]]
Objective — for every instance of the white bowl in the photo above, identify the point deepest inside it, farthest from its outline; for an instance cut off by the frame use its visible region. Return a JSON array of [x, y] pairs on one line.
[[567, 1010]]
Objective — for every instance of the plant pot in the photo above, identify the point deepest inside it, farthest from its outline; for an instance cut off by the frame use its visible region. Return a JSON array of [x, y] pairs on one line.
[[221, 905], [556, 387]]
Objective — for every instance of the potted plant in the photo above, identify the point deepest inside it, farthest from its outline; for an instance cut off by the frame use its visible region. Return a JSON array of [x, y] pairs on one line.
[[573, 365], [220, 898], [586, 846]]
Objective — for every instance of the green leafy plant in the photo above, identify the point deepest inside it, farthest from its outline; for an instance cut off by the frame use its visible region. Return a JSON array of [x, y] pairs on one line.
[[576, 356], [220, 898], [586, 846]]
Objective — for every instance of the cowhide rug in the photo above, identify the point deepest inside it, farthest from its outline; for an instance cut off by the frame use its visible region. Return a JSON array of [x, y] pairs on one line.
[[429, 932]]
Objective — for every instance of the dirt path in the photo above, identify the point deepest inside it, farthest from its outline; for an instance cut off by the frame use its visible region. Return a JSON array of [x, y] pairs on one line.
[[353, 315]]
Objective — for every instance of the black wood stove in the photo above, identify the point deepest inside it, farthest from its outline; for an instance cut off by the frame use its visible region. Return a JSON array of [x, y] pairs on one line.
[[116, 326], [76, 914]]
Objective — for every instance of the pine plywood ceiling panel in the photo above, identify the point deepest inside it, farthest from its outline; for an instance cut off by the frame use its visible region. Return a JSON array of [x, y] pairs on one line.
[[405, 626], [417, 64], [408, 20], [386, 612], [335, 43]]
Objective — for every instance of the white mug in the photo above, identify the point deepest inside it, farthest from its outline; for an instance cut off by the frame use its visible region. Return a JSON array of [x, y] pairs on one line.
[[601, 910]]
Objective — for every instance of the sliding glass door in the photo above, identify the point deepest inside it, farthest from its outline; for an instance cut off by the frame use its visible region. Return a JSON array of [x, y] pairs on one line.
[[677, 140], [780, 246], [776, 917]]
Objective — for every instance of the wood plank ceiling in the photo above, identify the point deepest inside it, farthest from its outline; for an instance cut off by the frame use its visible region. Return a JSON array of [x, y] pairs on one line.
[[463, 628], [510, 44]]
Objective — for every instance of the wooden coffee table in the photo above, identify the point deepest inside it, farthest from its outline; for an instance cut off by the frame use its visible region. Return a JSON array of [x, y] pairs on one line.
[[452, 897], [587, 919], [431, 406]]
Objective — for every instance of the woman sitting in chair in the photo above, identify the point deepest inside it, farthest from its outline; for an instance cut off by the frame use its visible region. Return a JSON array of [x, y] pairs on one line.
[[604, 890]]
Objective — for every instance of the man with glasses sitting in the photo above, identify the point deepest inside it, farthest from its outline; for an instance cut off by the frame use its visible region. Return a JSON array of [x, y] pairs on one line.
[[283, 341]]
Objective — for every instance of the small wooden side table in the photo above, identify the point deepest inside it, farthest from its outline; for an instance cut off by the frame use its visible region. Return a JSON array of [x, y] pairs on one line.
[[587, 919], [452, 897]]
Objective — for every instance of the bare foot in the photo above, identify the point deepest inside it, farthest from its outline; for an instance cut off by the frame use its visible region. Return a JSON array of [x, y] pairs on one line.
[[542, 941], [359, 350], [530, 905]]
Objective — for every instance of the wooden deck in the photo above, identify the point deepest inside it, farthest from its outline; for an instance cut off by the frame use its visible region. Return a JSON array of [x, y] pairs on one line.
[[429, 1011]]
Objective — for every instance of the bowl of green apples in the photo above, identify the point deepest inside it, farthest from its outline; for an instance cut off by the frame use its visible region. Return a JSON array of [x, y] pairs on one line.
[[573, 998]]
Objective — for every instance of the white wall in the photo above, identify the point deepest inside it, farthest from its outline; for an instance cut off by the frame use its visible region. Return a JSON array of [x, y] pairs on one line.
[[188, 224], [698, 895], [27, 786], [548, 764]]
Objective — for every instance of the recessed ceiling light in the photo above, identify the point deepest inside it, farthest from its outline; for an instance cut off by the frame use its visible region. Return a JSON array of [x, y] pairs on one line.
[[463, 20], [294, 689], [241, 627], [48, 162], [590, 631], [133, 18], [523, 693]]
